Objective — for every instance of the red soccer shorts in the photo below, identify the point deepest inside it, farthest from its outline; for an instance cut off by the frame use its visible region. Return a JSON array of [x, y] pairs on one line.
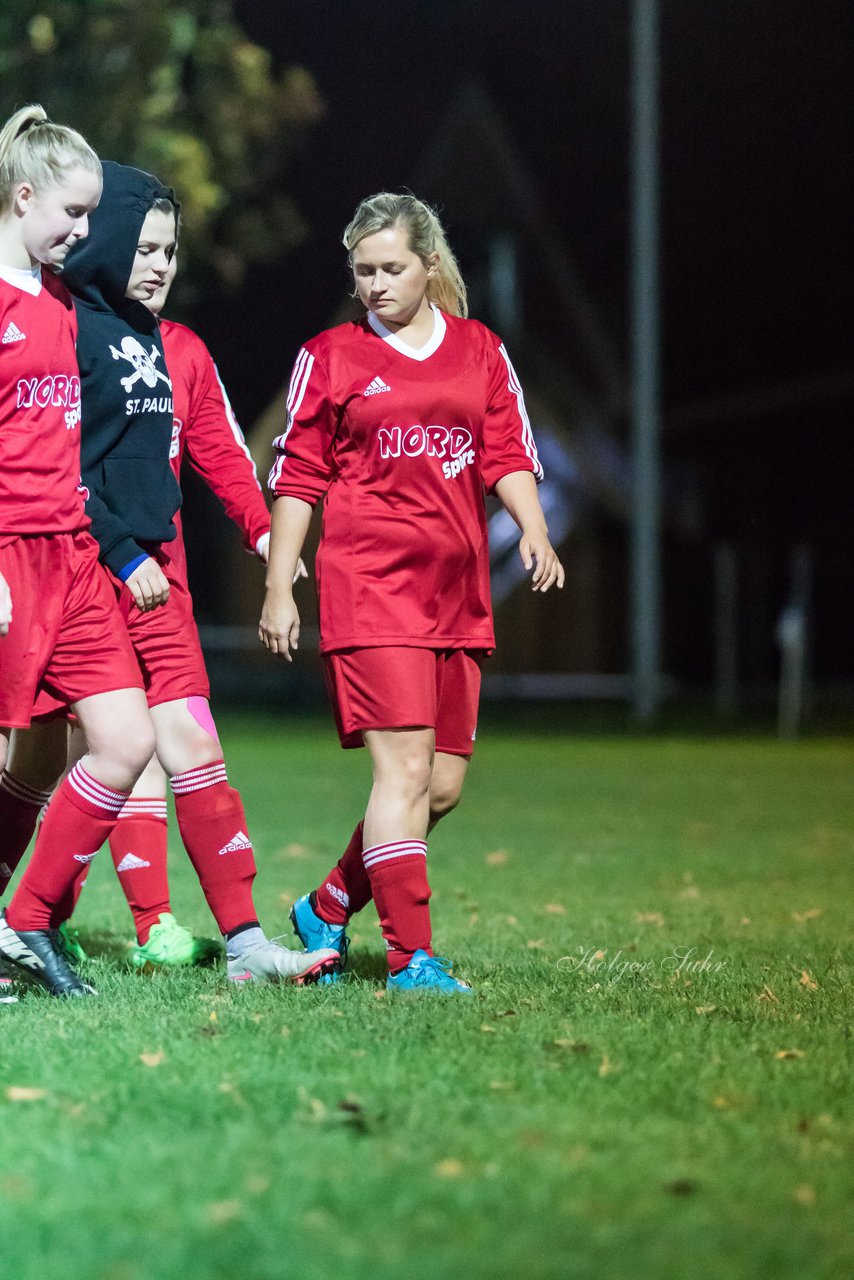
[[166, 640], [66, 640], [393, 687]]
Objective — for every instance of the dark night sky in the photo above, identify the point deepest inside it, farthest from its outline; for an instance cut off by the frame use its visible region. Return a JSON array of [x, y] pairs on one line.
[[757, 258], [757, 263]]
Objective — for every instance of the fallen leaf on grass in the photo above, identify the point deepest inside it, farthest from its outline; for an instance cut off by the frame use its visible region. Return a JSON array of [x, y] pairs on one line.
[[606, 1067], [767, 994], [358, 1053], [501, 1084], [574, 1046], [812, 914], [155, 1059], [379, 995], [649, 917], [257, 1184], [284, 1031], [808, 982], [554, 909], [804, 1195], [536, 944], [496, 859], [293, 851], [287, 898], [449, 1169], [705, 1008], [690, 892], [473, 919], [24, 1093], [744, 920], [698, 831], [222, 1211], [258, 1017], [789, 1053], [511, 920], [213, 1017], [487, 1028], [721, 1102]]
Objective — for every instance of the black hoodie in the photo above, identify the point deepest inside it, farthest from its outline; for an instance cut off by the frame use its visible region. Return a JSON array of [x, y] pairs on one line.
[[126, 411]]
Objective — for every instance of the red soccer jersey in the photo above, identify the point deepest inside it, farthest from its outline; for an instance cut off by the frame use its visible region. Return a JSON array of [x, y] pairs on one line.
[[39, 410], [205, 424], [402, 443]]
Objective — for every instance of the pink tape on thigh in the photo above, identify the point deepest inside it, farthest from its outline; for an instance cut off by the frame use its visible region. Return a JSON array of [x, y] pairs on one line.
[[199, 709]]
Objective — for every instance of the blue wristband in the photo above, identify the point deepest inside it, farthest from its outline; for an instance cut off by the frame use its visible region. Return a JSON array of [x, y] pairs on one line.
[[125, 573]]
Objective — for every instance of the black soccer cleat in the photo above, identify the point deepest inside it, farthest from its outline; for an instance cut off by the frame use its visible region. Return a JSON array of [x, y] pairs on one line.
[[35, 951], [13, 950]]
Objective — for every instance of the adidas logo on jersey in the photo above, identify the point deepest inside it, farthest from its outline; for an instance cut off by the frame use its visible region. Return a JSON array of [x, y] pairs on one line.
[[130, 862], [373, 389], [13, 333], [239, 841]]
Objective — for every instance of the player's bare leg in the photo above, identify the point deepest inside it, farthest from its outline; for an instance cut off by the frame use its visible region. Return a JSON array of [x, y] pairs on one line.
[[320, 918]]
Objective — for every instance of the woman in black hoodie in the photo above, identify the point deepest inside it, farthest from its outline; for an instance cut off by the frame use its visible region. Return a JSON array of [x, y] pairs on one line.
[[132, 498]]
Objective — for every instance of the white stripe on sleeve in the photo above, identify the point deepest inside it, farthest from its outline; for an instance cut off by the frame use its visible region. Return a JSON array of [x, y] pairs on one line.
[[515, 386]]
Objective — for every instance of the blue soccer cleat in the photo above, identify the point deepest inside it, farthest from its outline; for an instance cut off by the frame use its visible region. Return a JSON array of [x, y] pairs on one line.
[[428, 973], [316, 934]]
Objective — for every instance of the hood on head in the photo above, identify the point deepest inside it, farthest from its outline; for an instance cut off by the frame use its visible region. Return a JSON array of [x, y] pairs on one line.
[[98, 268]]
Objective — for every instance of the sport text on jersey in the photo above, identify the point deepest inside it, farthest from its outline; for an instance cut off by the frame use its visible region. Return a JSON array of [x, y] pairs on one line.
[[453, 443], [53, 390]]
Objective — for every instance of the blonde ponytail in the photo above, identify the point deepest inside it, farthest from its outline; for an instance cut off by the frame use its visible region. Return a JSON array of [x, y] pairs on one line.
[[446, 286], [35, 150]]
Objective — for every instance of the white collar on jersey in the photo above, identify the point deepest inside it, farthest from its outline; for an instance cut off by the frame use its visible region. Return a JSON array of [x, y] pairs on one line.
[[414, 353], [27, 278]]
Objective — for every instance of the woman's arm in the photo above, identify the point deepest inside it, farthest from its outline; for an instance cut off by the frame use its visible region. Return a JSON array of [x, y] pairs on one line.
[[518, 494], [279, 625]]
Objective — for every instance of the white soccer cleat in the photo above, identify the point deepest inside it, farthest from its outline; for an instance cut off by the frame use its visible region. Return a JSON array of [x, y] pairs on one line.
[[271, 962]]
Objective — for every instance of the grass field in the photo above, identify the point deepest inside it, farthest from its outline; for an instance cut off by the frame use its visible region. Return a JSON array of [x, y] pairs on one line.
[[680, 1117]]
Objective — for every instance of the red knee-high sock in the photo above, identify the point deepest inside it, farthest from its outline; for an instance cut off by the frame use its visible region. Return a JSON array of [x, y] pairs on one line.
[[347, 887], [138, 849], [213, 827], [398, 875], [79, 819], [20, 806]]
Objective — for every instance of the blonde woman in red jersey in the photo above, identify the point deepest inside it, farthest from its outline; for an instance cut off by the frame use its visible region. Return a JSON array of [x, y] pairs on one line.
[[399, 422], [62, 629]]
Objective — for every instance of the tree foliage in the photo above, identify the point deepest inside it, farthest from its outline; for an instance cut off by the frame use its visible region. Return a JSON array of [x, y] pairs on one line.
[[177, 89]]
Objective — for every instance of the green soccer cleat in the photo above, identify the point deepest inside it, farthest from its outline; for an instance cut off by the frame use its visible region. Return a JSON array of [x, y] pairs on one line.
[[171, 946], [67, 941]]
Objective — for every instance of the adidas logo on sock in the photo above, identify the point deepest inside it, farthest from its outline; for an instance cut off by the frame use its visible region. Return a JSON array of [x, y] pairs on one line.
[[372, 389], [239, 841], [13, 333], [130, 862], [338, 894], [83, 857]]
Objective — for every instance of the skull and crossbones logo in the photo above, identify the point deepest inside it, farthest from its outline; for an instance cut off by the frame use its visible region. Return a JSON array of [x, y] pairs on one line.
[[143, 364]]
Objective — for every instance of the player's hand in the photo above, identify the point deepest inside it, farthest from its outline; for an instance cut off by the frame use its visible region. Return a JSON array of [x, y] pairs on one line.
[[538, 554], [148, 585], [5, 606], [279, 625]]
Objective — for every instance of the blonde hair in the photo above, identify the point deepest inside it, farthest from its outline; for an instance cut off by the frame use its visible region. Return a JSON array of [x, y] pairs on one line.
[[446, 286], [33, 149]]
